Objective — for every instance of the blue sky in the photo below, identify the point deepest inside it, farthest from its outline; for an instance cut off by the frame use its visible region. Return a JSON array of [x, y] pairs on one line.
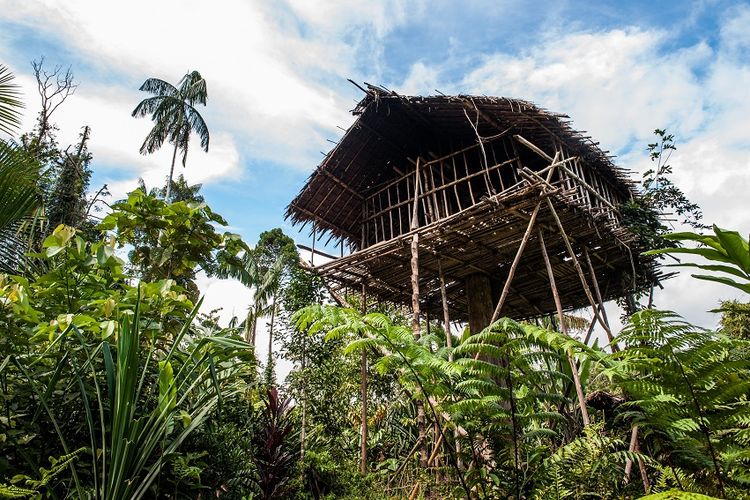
[[277, 71]]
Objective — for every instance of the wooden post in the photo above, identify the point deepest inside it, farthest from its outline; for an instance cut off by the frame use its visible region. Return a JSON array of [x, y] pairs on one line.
[[446, 313], [449, 344], [416, 330], [564, 329], [415, 326], [599, 300], [577, 266], [514, 265], [522, 246], [641, 466], [479, 300], [363, 396], [631, 449], [312, 252]]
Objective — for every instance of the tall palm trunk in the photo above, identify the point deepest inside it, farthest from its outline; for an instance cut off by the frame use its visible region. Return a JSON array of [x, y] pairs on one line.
[[271, 377], [171, 173]]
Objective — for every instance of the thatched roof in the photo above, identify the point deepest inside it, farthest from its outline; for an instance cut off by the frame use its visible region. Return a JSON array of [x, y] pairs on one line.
[[392, 130]]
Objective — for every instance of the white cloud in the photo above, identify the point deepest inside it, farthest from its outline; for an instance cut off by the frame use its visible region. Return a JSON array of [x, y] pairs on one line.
[[621, 84], [421, 79], [270, 67], [276, 74], [615, 84]]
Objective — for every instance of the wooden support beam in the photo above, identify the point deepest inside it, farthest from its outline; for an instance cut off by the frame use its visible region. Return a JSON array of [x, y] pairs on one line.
[[599, 300], [521, 247], [577, 266], [533, 147], [590, 189], [317, 218], [564, 329], [363, 396], [514, 265], [342, 184], [446, 312], [641, 466], [486, 117]]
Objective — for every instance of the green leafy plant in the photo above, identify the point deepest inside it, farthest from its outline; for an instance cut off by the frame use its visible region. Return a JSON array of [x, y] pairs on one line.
[[134, 426], [692, 402], [728, 249]]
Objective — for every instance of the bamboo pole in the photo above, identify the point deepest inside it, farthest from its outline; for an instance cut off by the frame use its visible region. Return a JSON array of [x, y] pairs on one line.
[[577, 266], [415, 326], [599, 300], [527, 234], [514, 265], [446, 312], [405, 462], [564, 329], [641, 466], [416, 330], [363, 396]]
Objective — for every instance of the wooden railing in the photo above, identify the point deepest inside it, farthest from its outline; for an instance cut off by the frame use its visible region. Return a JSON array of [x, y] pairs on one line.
[[459, 180]]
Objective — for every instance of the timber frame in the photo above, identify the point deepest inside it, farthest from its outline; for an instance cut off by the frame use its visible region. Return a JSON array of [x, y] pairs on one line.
[[484, 186], [479, 207]]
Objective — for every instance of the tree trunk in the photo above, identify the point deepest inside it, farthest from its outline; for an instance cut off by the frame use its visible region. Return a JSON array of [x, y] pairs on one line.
[[479, 298], [255, 324], [303, 429], [171, 173], [269, 365]]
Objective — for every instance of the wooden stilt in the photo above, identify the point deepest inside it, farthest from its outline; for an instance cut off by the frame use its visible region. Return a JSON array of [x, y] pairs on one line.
[[416, 330], [514, 265], [446, 313], [363, 396], [641, 465], [415, 326], [312, 252], [599, 300], [564, 329], [577, 266]]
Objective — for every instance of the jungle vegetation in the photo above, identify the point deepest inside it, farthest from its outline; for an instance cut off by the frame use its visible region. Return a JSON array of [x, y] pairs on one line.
[[115, 385]]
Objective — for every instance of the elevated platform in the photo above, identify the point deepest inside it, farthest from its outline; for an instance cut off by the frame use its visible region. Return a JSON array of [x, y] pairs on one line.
[[465, 174], [484, 239]]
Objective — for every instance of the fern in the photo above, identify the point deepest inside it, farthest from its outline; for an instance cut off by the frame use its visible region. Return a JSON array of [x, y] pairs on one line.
[[690, 394], [592, 465], [32, 487]]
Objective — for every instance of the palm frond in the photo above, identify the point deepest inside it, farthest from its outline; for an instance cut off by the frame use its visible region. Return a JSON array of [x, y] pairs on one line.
[[10, 102], [159, 87]]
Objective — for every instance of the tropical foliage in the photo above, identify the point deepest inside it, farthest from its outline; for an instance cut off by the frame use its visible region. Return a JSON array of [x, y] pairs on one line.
[[173, 111], [116, 386]]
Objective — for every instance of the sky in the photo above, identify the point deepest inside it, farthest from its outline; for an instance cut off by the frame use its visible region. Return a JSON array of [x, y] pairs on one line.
[[279, 97]]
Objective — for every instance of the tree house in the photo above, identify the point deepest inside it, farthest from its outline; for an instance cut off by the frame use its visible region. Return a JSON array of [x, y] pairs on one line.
[[474, 206]]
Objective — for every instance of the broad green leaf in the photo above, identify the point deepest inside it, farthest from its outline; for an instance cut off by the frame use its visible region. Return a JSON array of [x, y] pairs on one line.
[[735, 246], [708, 253]]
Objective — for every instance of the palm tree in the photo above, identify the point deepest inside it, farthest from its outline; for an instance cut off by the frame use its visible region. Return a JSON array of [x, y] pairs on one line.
[[173, 112], [19, 174], [10, 102]]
